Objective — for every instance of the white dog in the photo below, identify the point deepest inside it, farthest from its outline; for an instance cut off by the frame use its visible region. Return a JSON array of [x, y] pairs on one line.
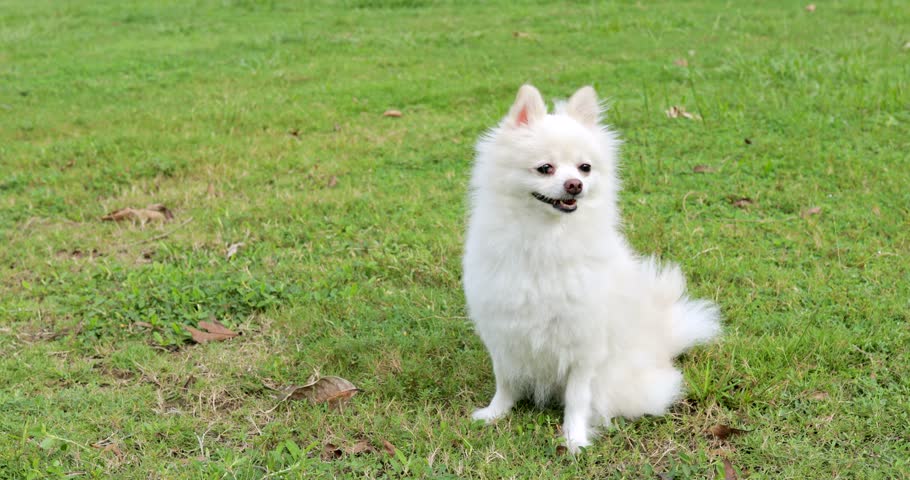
[[567, 310]]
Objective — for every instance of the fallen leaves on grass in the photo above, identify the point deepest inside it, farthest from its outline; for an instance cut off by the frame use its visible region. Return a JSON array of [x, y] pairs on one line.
[[812, 211], [332, 182], [332, 390], [810, 7], [702, 169], [677, 111], [681, 62], [741, 202], [330, 451], [155, 212], [877, 211], [819, 395], [521, 34], [215, 332], [49, 334], [108, 446], [233, 249], [388, 447], [77, 254], [361, 446], [822, 421], [392, 113], [723, 432], [729, 471], [561, 450]]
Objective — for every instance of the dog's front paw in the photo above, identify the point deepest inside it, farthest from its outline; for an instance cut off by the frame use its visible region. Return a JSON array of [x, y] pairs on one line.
[[575, 445], [576, 439], [488, 414]]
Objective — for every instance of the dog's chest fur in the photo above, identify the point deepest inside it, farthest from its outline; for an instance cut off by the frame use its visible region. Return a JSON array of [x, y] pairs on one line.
[[533, 296]]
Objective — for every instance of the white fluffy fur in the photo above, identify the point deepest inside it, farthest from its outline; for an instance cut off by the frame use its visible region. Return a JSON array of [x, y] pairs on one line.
[[568, 312]]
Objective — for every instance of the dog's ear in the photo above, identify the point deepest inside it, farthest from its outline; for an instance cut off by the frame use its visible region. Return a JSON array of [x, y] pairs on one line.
[[584, 106], [528, 107]]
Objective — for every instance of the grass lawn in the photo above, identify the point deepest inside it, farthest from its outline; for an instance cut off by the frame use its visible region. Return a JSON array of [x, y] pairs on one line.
[[262, 122]]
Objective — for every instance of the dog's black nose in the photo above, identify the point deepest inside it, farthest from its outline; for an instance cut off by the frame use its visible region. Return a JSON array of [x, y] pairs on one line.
[[573, 186]]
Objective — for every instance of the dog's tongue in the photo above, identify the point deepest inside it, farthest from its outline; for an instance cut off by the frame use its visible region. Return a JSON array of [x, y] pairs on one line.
[[568, 202]]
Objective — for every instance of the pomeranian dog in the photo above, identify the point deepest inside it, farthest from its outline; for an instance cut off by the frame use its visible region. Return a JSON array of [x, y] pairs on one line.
[[568, 311]]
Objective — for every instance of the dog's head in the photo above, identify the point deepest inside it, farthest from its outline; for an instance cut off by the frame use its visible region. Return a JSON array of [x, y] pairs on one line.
[[555, 163]]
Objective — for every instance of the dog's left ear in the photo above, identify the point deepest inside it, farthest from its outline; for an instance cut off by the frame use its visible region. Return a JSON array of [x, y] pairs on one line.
[[584, 107]]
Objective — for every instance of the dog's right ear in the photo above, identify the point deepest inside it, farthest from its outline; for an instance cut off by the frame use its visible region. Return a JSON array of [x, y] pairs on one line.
[[528, 107]]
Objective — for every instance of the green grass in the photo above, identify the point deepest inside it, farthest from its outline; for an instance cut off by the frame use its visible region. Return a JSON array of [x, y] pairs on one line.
[[238, 115]]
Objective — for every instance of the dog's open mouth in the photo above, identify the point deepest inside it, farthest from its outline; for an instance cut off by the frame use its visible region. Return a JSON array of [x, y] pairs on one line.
[[567, 205]]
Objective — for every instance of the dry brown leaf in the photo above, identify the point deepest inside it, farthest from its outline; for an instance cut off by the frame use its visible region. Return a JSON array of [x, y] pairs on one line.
[[819, 396], [702, 169], [392, 113], [77, 253], [197, 458], [160, 208], [294, 133], [216, 332], [155, 212], [360, 447], [199, 336], [729, 471], [877, 211], [388, 447], [109, 446], [742, 202], [331, 452], [215, 327], [143, 324], [812, 211], [332, 182], [810, 7], [822, 421], [561, 450], [722, 432], [681, 62], [233, 249], [332, 390], [210, 191], [677, 111], [521, 34]]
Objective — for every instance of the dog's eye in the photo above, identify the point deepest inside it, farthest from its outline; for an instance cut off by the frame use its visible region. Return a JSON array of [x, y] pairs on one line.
[[585, 167], [546, 169]]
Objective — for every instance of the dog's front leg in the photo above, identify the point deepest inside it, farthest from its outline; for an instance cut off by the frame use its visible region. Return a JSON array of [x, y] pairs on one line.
[[576, 423], [503, 400]]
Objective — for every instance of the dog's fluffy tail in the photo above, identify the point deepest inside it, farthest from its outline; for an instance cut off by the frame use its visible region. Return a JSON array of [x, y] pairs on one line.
[[691, 322], [630, 392]]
